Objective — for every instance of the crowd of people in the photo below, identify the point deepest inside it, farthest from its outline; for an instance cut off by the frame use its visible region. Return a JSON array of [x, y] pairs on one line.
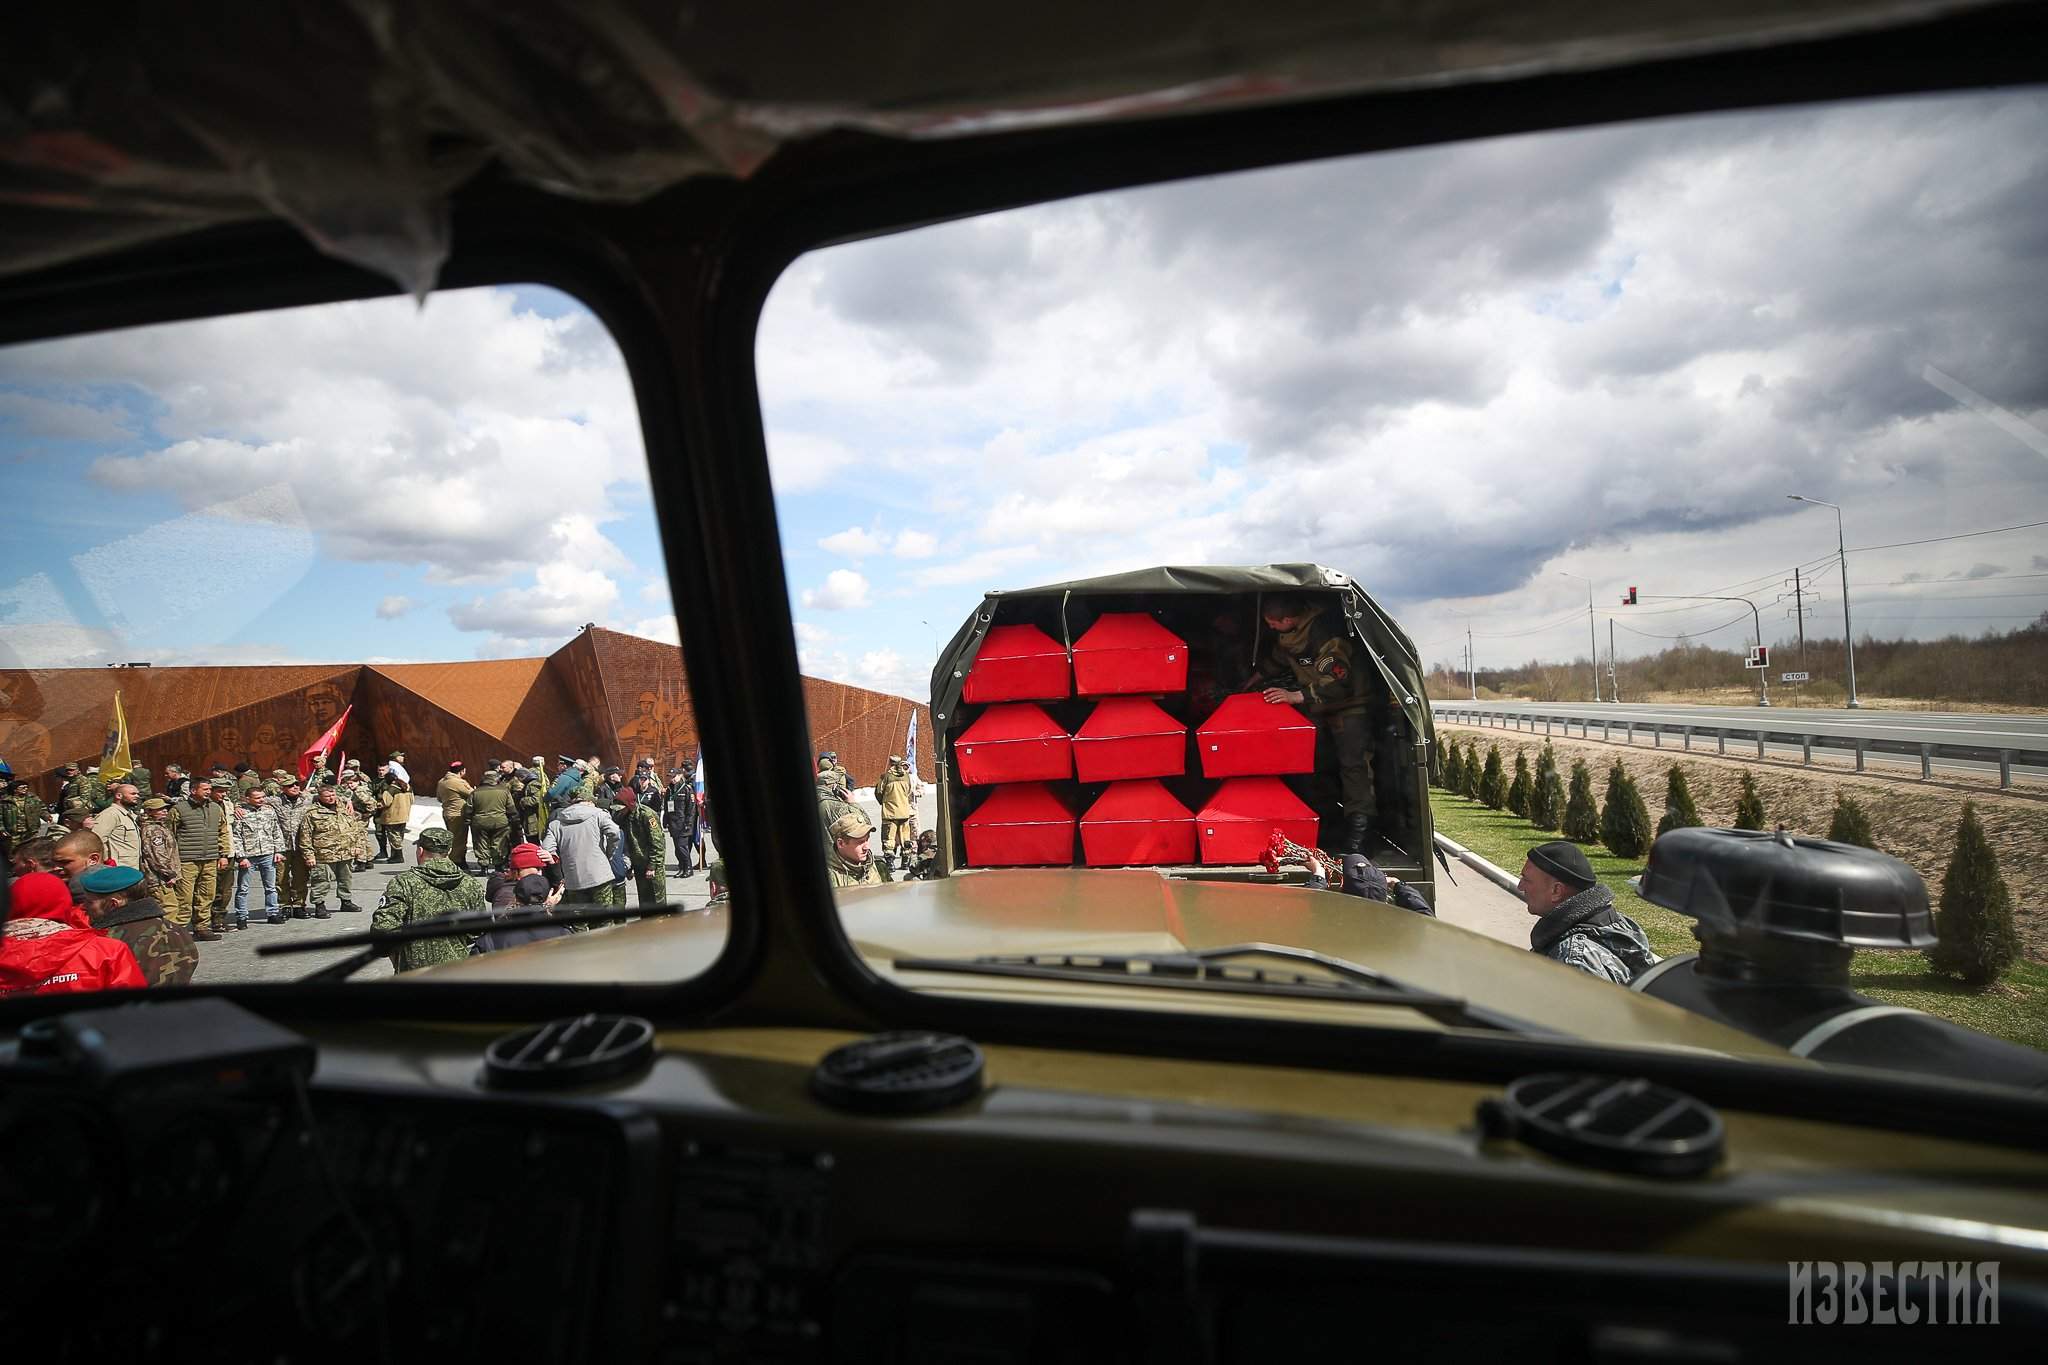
[[849, 859], [156, 874]]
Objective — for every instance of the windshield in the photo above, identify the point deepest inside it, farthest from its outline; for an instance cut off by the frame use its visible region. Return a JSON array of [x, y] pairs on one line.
[[337, 618], [1672, 420]]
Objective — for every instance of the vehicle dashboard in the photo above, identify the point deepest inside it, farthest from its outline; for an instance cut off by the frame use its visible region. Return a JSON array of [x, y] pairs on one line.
[[1083, 1206]]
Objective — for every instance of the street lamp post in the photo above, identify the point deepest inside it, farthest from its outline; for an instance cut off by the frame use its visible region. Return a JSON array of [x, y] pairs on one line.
[[1842, 554], [1763, 681], [1592, 636]]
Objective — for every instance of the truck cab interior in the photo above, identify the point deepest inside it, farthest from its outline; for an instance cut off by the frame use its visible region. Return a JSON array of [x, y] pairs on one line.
[[785, 1156]]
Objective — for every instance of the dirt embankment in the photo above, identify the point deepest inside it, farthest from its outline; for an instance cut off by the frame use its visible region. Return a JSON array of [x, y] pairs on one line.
[[1912, 823]]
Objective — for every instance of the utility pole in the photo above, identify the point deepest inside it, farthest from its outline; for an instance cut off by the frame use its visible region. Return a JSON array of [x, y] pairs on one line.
[[1592, 635], [1613, 677], [1799, 610], [1842, 554], [1471, 665]]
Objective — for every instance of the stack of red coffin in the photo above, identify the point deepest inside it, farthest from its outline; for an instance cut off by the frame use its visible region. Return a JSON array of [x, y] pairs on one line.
[[1127, 744], [1249, 742], [1017, 748]]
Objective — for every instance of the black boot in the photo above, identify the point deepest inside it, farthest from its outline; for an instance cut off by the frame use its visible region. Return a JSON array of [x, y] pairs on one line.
[[1356, 826]]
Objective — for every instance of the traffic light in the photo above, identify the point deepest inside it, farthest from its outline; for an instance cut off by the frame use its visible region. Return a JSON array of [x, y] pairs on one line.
[[1763, 656], [1629, 600]]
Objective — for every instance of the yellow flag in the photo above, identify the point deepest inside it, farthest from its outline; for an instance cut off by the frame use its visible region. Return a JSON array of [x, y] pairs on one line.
[[114, 759]]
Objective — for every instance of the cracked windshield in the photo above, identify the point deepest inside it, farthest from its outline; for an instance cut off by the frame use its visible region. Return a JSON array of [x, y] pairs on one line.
[[1473, 566], [324, 624]]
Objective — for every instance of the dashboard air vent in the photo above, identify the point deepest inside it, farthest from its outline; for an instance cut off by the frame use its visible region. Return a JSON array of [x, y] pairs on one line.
[[899, 1073], [562, 1053], [1616, 1123]]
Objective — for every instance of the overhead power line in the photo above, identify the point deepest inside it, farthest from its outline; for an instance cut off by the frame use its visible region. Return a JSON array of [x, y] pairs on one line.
[[1960, 535], [1685, 634]]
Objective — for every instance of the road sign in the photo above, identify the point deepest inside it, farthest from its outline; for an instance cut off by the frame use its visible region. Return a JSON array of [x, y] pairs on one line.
[[1793, 677], [1759, 657]]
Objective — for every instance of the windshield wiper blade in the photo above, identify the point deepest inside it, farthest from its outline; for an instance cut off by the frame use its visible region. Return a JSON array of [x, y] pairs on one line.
[[1209, 969], [374, 941]]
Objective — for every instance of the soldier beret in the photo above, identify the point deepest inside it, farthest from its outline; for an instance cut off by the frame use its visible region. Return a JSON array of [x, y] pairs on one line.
[[435, 839], [454, 765], [1565, 861], [156, 803], [102, 881], [852, 825]]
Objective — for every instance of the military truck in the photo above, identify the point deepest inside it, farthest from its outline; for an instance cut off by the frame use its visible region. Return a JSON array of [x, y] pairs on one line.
[[1217, 613]]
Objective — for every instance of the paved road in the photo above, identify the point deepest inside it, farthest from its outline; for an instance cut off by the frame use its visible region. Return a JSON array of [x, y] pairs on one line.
[[1477, 904], [1891, 738]]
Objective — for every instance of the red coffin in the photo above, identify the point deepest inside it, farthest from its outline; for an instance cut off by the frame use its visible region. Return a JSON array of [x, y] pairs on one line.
[[1238, 822], [1016, 742], [1249, 736], [1129, 737], [1018, 663], [1137, 822], [1128, 651], [1017, 826]]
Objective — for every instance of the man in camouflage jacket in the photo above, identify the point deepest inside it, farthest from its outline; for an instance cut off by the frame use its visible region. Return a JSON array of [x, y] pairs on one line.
[[436, 887], [160, 866], [1314, 663], [326, 843], [121, 909], [21, 813], [646, 846]]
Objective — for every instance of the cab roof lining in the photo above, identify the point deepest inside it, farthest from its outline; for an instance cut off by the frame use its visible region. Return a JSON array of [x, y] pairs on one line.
[[358, 123]]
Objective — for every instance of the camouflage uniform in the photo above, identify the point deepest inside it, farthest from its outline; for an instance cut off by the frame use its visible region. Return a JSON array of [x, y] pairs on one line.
[[436, 887], [21, 815], [832, 802], [846, 871], [647, 853], [291, 887], [326, 842], [529, 797], [160, 867], [1320, 661], [92, 789], [1586, 931], [490, 822], [892, 793], [165, 952], [142, 778]]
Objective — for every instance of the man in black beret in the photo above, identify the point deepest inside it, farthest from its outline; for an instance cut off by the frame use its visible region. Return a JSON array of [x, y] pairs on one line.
[[1577, 923]]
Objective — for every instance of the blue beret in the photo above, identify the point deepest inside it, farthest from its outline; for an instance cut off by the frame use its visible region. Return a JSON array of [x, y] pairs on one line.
[[103, 880]]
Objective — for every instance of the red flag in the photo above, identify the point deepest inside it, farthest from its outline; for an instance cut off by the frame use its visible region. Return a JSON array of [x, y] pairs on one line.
[[322, 746]]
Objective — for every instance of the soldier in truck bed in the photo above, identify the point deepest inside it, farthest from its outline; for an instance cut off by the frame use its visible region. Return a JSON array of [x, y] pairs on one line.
[[1312, 662]]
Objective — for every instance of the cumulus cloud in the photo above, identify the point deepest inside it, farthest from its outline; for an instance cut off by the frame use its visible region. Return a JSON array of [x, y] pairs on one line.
[[393, 607], [844, 590], [560, 601], [855, 542], [915, 545]]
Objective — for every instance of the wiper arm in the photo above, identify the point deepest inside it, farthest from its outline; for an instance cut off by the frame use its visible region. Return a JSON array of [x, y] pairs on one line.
[[1209, 969], [467, 922]]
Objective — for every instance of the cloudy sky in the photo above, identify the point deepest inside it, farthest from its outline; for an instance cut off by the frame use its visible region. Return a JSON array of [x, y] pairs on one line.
[[1457, 374]]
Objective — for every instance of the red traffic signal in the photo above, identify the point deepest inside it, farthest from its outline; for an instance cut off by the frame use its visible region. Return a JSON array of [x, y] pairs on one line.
[[1629, 600]]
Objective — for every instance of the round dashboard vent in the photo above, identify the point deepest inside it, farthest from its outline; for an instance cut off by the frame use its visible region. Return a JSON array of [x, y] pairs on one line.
[[1616, 1123], [899, 1073], [569, 1052]]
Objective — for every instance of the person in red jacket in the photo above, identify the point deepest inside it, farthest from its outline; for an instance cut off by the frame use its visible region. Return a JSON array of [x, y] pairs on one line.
[[42, 954]]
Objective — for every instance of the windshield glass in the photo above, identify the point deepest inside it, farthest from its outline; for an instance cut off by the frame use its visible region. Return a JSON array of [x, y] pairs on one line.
[[1649, 420], [337, 618]]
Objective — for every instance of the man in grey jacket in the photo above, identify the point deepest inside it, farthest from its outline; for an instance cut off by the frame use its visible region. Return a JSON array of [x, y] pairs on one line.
[[583, 838], [258, 838]]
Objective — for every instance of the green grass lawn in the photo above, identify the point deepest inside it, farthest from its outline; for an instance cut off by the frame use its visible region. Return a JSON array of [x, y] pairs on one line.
[[2015, 1008]]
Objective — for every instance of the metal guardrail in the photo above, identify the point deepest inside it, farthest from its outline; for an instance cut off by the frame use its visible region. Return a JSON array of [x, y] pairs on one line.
[[1805, 738]]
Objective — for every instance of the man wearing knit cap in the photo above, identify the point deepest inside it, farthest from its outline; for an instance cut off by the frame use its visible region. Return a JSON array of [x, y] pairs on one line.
[[1577, 923]]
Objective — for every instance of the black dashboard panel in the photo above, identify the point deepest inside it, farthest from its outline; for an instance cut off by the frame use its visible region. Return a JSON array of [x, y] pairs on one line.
[[391, 1207]]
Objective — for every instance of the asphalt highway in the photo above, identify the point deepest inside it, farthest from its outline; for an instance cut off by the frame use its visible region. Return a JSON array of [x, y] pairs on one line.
[[1892, 739]]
